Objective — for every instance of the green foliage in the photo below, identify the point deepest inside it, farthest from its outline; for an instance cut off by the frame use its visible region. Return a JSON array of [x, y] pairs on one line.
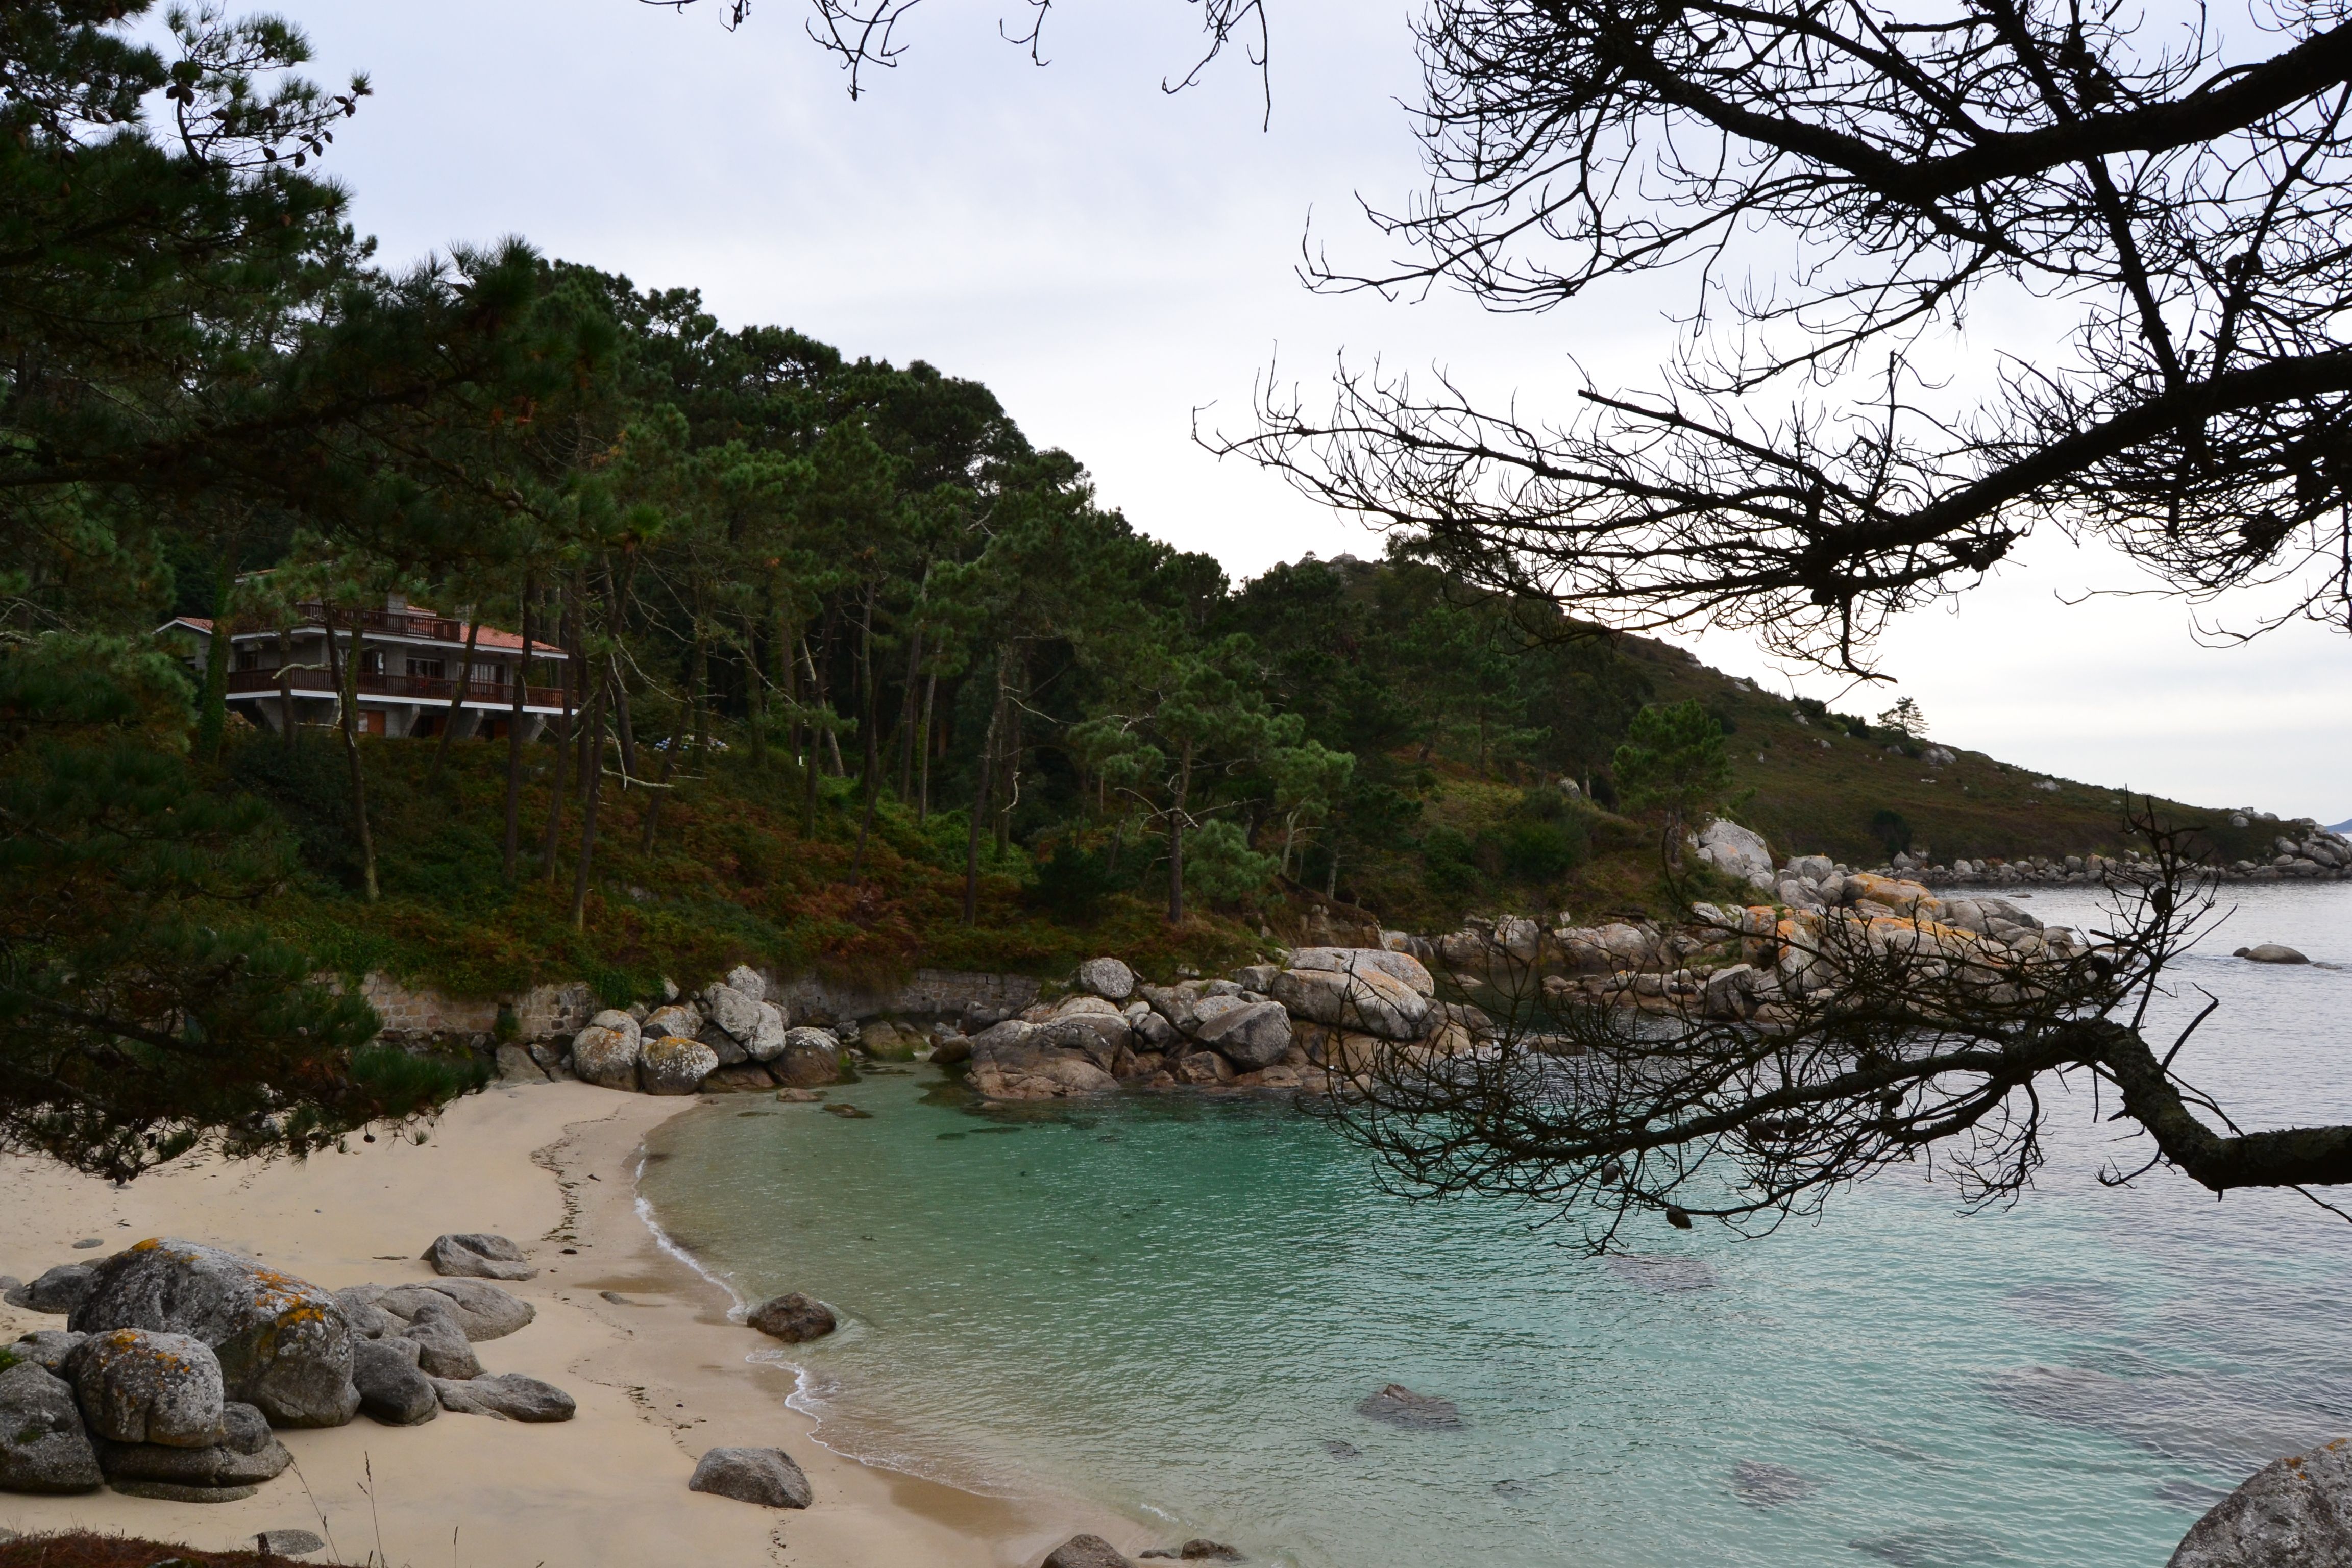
[[1674, 763], [1219, 864], [1891, 829], [1073, 884]]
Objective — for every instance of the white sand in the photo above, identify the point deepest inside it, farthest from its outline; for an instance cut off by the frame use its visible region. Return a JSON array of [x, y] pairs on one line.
[[658, 1380]]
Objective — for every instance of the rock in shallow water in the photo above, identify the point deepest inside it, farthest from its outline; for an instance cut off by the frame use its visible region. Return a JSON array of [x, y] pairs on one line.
[[2271, 953], [2294, 1512], [1086, 1551], [764, 1475], [676, 1064], [1761, 1485], [43, 1446], [1401, 1406], [477, 1255], [793, 1318]]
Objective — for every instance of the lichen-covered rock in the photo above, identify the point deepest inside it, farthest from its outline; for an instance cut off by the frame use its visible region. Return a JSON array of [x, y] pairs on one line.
[[60, 1290], [1397, 966], [749, 981], [607, 1057], [1371, 1000], [43, 1446], [48, 1347], [677, 1019], [732, 1010], [768, 1042], [1107, 978], [674, 1064], [506, 1394], [810, 1058], [1250, 1035], [477, 1255], [764, 1475], [2294, 1512], [1737, 851], [141, 1386], [1100, 1031], [392, 1388], [1031, 1074], [889, 1042], [282, 1343], [791, 1318], [248, 1454], [483, 1311]]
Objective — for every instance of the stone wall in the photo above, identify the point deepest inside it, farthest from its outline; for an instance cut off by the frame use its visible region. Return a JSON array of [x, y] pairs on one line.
[[547, 1012], [412, 1011]]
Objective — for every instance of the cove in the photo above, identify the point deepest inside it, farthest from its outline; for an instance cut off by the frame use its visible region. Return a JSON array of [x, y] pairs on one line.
[[1175, 1305]]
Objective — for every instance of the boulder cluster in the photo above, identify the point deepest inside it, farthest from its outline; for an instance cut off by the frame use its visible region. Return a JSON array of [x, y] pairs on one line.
[[1266, 1026], [728, 1038], [179, 1359]]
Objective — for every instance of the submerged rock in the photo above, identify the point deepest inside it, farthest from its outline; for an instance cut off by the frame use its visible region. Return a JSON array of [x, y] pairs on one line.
[[793, 1318], [1401, 1406], [43, 1446], [764, 1475], [1761, 1485], [477, 1255], [2294, 1512]]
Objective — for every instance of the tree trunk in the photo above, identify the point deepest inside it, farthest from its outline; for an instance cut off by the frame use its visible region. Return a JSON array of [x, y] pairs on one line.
[[592, 761], [456, 698], [669, 763], [984, 775], [923, 783], [755, 693], [1176, 837], [623, 732], [869, 764], [212, 719], [518, 697], [292, 738], [347, 685], [908, 741], [555, 791]]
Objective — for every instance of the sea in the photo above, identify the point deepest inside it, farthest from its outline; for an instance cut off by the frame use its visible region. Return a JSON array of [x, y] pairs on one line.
[[1173, 1307]]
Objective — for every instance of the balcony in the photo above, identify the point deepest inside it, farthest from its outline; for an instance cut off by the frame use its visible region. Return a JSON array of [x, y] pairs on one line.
[[311, 681]]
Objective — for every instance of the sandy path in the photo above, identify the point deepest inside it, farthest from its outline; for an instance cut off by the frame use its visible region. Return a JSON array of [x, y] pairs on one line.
[[659, 1377]]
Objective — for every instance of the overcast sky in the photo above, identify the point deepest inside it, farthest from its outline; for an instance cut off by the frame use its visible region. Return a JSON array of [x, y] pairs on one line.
[[1107, 259]]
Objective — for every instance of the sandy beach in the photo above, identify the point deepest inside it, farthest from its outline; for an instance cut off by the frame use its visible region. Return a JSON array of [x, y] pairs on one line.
[[660, 1373]]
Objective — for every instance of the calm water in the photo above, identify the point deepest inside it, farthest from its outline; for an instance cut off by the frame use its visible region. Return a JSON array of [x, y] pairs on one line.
[[1174, 1306]]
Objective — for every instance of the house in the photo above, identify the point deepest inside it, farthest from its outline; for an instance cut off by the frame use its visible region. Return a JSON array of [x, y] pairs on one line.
[[409, 659]]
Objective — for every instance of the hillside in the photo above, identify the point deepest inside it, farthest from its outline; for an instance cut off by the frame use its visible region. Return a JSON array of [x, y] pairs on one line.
[[732, 876]]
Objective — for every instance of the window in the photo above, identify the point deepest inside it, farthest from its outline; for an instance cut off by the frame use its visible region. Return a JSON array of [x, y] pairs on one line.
[[430, 668]]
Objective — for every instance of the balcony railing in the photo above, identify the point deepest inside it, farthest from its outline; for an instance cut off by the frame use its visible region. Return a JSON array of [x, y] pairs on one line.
[[312, 681], [405, 624]]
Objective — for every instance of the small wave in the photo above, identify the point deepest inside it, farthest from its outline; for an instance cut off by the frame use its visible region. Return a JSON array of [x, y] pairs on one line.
[[662, 1239]]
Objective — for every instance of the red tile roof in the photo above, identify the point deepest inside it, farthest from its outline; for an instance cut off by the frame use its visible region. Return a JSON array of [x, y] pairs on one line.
[[490, 637]]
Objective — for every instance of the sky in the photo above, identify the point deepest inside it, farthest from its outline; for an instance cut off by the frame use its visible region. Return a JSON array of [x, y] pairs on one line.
[[1117, 264]]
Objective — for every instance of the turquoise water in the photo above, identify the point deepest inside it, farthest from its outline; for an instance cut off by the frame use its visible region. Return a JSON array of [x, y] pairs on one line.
[[1173, 1306]]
